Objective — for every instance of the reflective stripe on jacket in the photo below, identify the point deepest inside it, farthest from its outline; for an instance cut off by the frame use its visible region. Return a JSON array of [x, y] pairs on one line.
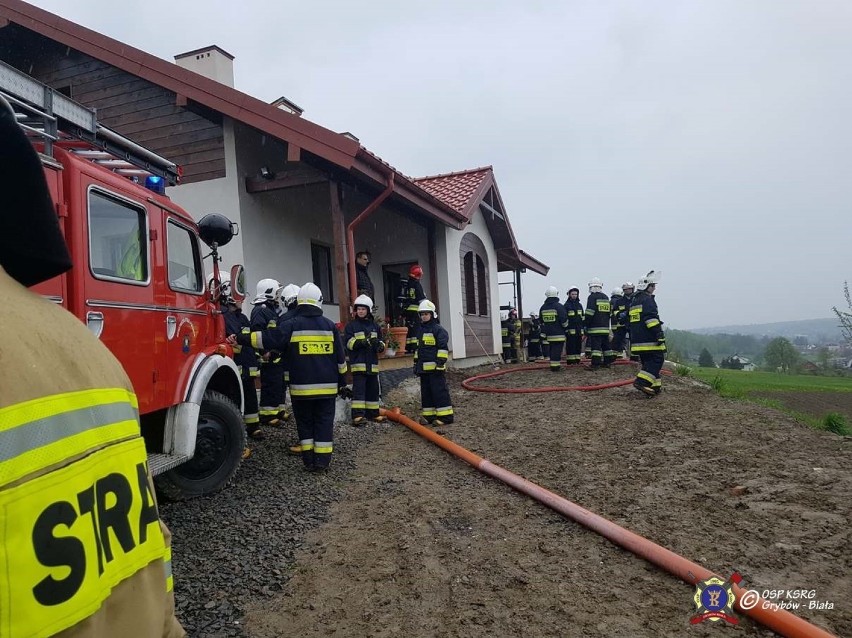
[[82, 549]]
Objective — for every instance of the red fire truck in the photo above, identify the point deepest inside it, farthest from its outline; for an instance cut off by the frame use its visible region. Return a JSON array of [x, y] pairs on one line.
[[138, 283]]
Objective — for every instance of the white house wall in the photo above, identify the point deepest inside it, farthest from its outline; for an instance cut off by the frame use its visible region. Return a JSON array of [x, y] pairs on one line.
[[217, 196], [451, 289]]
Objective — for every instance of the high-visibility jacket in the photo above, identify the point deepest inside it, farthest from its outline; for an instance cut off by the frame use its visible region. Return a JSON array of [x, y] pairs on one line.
[[312, 347], [410, 295], [574, 310], [554, 319], [432, 350], [287, 315], [507, 332], [361, 337], [82, 548], [244, 356], [597, 314], [646, 329]]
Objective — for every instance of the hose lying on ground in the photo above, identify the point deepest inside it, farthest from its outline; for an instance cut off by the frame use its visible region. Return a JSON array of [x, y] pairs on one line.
[[763, 612]]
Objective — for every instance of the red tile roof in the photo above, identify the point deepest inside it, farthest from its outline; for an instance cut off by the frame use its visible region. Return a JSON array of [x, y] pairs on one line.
[[456, 189]]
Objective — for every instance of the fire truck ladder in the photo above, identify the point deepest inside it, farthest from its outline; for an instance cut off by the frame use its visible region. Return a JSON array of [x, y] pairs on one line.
[[43, 112]]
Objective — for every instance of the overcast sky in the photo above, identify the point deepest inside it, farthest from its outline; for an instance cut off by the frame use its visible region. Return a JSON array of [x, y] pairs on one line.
[[708, 139]]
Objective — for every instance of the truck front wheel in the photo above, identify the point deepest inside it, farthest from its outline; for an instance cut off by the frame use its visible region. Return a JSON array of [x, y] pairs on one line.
[[218, 450]]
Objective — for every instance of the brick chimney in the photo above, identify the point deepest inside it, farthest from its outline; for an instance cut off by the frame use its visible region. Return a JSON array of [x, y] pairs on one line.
[[211, 61]]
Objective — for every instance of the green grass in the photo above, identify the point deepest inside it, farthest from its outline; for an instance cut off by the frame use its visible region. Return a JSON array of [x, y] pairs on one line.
[[739, 384]]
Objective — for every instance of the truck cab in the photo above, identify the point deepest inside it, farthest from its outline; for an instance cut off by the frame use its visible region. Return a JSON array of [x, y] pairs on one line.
[[139, 284]]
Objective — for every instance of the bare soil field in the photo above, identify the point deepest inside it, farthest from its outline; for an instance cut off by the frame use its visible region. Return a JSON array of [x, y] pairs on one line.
[[421, 544], [816, 404]]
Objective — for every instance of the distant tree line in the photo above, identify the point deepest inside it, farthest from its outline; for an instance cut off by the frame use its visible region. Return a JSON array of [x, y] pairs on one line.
[[687, 345]]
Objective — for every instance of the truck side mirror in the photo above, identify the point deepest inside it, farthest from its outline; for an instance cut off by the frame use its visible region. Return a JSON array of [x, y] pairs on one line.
[[238, 282], [217, 229]]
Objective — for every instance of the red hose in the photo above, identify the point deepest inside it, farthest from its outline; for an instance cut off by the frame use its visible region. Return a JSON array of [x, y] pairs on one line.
[[778, 620], [467, 384]]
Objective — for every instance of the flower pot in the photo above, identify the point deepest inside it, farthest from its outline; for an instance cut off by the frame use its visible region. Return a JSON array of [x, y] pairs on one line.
[[390, 352], [400, 333]]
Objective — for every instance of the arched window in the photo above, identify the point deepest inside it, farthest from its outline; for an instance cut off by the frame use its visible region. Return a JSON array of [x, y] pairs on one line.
[[481, 286], [470, 283]]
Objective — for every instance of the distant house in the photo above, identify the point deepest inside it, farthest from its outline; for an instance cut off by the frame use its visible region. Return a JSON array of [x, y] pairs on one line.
[[809, 366], [746, 363]]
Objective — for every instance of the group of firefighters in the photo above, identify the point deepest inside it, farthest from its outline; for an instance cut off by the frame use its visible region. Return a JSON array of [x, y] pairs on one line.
[[608, 325], [290, 344]]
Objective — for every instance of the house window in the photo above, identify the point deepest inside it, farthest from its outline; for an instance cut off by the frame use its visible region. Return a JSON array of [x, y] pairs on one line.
[[184, 259], [469, 285], [118, 239], [481, 286], [321, 261]]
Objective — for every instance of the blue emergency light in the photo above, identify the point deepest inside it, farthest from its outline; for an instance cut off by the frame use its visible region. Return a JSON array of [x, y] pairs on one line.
[[156, 183]]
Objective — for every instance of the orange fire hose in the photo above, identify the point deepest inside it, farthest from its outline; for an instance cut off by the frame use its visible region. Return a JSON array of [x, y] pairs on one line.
[[779, 620]]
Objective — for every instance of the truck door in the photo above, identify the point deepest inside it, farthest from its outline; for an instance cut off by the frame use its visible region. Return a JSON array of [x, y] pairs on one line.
[[117, 287], [56, 289], [183, 331]]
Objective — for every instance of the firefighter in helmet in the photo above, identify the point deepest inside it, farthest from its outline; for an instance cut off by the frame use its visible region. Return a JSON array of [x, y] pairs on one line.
[[597, 323], [363, 346], [430, 364], [534, 339], [289, 306], [518, 339], [620, 304], [576, 327], [264, 316], [647, 338], [244, 356], [409, 298], [555, 323], [75, 449], [507, 337], [312, 345]]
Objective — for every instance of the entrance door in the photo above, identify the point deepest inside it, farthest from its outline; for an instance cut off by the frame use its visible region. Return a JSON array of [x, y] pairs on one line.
[[392, 275]]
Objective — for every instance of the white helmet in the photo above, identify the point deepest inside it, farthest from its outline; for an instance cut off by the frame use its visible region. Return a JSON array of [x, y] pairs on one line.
[[595, 283], [427, 306], [363, 300], [310, 295], [651, 278], [577, 288], [290, 294], [551, 292], [616, 292], [626, 285], [267, 290]]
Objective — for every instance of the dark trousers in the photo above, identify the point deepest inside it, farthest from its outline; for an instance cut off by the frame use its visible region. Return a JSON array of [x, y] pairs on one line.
[[365, 395], [250, 414], [619, 336], [574, 347], [271, 389], [649, 375], [533, 349], [315, 423], [555, 353], [597, 343], [435, 397], [507, 351]]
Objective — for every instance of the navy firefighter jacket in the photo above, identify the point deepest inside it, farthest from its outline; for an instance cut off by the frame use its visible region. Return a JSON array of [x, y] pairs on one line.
[[646, 329], [574, 310], [554, 319], [432, 348], [312, 347], [361, 337], [597, 314], [244, 356]]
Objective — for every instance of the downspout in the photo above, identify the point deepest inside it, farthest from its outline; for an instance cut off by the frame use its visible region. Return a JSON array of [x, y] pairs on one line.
[[350, 234]]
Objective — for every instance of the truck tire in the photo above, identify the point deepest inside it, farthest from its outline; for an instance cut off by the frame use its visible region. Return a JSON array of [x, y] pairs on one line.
[[218, 450]]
